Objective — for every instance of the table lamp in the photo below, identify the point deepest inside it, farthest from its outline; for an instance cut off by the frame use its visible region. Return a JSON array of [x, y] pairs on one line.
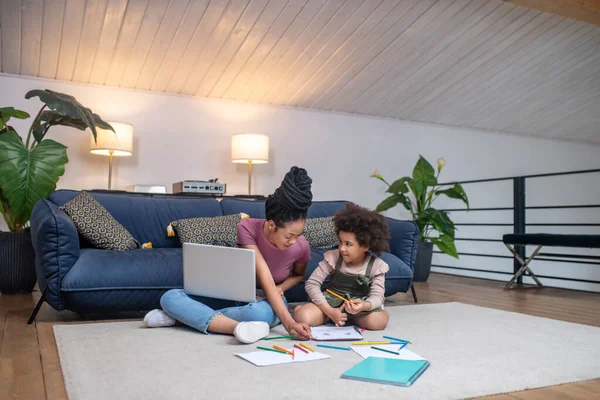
[[108, 143], [250, 148]]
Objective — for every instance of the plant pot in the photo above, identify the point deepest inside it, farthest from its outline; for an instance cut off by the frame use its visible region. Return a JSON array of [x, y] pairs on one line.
[[17, 263], [423, 261]]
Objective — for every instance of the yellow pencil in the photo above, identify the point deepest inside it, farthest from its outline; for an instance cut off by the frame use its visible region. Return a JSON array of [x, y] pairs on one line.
[[306, 347], [341, 298]]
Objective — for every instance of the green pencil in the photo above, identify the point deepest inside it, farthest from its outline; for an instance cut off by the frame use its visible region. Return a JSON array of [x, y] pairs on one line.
[[276, 351], [280, 337]]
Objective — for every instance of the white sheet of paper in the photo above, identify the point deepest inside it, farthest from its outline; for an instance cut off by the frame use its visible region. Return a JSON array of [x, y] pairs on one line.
[[366, 351], [264, 358], [327, 332]]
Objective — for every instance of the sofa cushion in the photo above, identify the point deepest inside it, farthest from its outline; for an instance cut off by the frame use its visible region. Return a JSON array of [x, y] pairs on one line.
[[97, 225], [146, 216], [216, 231], [320, 233], [254, 208], [399, 277], [102, 270], [319, 209]]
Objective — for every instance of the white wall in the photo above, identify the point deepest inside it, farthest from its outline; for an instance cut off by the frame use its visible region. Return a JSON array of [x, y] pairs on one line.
[[179, 137]]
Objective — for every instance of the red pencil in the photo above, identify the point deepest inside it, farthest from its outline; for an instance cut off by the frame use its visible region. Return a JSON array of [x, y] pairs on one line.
[[300, 348]]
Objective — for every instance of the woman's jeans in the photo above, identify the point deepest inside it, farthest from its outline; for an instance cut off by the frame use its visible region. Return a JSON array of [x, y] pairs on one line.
[[198, 311]]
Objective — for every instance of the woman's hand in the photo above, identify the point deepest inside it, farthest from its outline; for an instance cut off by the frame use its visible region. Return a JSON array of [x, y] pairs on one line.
[[338, 316], [359, 306], [301, 330], [281, 293]]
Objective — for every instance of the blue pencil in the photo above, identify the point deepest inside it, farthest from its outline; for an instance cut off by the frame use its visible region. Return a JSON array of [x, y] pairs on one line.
[[404, 345], [333, 347], [387, 351], [396, 339]]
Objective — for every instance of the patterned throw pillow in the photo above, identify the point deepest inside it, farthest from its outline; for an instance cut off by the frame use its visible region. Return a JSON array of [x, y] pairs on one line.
[[217, 231], [320, 233], [97, 225]]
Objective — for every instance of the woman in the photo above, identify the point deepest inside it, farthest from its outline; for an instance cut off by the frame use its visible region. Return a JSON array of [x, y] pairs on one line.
[[282, 255]]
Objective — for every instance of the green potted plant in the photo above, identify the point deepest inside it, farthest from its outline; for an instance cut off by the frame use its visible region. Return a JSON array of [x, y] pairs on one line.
[[29, 171], [417, 194]]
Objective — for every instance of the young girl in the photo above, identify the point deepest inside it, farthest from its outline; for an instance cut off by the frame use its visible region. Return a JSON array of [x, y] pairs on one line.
[[356, 274]]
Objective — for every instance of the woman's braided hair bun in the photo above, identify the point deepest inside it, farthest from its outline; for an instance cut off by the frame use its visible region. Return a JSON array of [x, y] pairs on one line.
[[291, 200]]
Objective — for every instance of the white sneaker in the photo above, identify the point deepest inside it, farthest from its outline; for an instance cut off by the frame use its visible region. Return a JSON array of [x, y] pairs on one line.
[[250, 332], [158, 318]]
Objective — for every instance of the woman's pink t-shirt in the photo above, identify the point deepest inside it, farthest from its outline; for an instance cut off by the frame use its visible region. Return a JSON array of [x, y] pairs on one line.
[[250, 232]]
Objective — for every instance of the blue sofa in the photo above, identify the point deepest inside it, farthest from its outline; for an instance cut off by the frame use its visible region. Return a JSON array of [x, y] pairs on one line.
[[74, 275]]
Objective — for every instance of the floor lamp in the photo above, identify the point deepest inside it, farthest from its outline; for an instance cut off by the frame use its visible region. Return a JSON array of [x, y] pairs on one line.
[[250, 148], [113, 144]]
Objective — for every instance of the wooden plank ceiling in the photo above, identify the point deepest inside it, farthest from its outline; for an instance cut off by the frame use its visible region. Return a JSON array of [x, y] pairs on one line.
[[491, 65]]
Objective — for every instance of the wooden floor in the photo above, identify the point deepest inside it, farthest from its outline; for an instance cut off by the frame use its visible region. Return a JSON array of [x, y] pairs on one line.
[[30, 368]]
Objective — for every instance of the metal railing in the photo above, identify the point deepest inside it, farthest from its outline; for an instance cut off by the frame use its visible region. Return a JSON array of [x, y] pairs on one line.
[[519, 225]]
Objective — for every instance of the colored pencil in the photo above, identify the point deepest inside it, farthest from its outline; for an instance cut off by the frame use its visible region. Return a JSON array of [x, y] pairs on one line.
[[266, 348], [369, 343], [396, 339], [403, 345], [341, 298], [333, 347], [300, 348], [307, 347], [280, 337], [387, 351], [282, 349]]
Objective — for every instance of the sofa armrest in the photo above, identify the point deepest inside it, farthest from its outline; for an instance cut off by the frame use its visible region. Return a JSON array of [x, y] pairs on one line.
[[56, 245], [404, 240]]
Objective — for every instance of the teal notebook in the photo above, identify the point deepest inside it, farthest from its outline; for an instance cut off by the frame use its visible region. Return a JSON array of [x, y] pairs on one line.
[[391, 371]]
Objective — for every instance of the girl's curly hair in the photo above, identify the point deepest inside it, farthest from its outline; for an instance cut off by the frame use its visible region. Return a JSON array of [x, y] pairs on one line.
[[368, 226]]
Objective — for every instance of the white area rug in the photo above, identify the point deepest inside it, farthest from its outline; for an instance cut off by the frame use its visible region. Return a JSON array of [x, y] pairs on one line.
[[473, 351]]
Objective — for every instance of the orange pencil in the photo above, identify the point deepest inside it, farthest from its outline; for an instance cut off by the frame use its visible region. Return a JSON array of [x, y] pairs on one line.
[[282, 349], [341, 298], [300, 348]]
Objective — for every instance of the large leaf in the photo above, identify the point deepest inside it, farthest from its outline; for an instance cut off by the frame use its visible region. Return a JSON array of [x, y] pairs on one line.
[[399, 186], [441, 222], [101, 123], [39, 131], [68, 106], [27, 176], [446, 244], [405, 200], [50, 118], [392, 201], [423, 177], [388, 203], [456, 192], [7, 113], [10, 220], [56, 118]]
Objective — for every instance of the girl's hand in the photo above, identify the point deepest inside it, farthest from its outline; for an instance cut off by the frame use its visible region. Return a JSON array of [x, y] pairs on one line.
[[338, 316], [301, 330], [359, 306]]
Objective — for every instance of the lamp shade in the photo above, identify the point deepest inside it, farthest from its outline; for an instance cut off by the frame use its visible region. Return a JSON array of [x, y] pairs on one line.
[[247, 147], [120, 142]]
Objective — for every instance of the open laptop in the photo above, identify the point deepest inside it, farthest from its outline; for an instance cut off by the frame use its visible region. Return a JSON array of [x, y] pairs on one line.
[[227, 273]]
